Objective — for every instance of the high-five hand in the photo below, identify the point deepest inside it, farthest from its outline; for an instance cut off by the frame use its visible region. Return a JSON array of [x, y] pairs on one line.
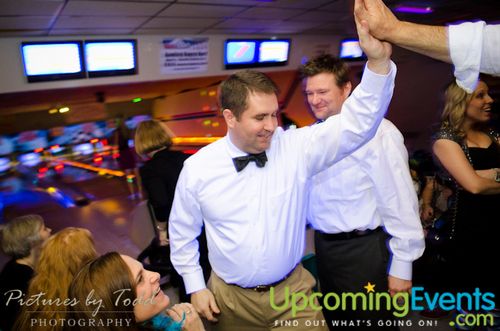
[[377, 51]]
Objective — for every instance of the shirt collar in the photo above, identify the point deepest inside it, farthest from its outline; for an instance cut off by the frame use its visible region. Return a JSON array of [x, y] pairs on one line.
[[232, 149]]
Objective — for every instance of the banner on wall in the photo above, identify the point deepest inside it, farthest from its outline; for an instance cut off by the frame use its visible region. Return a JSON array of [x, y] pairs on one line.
[[184, 55]]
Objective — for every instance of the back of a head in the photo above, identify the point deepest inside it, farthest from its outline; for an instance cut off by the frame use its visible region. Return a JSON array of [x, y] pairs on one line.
[[150, 136], [60, 259], [234, 91], [109, 281], [326, 63], [19, 235]]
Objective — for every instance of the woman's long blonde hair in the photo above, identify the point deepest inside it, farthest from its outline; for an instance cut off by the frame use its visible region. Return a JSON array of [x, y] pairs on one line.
[[61, 258], [456, 102]]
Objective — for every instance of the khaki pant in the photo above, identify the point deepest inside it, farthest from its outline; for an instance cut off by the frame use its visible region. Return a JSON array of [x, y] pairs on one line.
[[248, 310]]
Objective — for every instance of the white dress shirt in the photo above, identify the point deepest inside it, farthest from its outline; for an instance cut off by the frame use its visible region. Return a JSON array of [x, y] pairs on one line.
[[255, 219], [372, 187], [474, 48]]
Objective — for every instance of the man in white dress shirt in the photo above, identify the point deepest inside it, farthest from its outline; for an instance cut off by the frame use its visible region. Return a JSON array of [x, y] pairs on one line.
[[351, 202], [470, 47], [249, 191]]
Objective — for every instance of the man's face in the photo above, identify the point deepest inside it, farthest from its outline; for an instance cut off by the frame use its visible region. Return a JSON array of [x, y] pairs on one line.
[[323, 95], [253, 131]]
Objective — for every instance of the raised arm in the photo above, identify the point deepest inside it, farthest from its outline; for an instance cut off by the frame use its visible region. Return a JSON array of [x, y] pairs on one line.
[[340, 135], [453, 159]]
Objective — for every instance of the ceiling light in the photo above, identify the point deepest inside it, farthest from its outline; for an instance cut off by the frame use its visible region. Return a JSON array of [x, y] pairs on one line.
[[413, 10]]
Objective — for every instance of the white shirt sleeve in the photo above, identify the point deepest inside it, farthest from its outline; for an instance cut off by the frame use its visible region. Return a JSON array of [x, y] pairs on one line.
[[396, 200], [473, 49]]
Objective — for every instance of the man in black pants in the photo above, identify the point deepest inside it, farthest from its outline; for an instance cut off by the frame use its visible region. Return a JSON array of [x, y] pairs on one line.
[[354, 202]]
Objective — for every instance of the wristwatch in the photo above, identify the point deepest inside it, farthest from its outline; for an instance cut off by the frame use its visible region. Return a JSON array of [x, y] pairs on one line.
[[497, 176]]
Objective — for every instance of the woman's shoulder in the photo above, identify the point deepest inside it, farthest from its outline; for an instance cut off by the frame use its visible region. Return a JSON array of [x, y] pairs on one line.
[[15, 273], [447, 133]]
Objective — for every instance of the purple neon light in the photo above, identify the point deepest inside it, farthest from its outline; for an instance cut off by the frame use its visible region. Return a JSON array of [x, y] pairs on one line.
[[413, 10]]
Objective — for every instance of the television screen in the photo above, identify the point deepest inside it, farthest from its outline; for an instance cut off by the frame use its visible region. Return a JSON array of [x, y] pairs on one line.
[[254, 53], [57, 60], [240, 52], [111, 57], [350, 50], [275, 51]]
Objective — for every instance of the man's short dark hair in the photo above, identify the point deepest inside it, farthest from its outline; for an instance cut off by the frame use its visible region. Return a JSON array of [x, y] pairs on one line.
[[234, 91], [328, 64]]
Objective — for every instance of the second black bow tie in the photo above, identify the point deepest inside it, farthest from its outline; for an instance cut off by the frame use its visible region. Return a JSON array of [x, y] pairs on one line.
[[241, 162]]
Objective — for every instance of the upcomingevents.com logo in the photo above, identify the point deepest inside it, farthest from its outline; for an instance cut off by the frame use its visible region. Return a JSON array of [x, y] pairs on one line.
[[472, 309]]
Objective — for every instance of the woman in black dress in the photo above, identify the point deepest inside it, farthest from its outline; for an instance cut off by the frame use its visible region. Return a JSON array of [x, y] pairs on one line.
[[159, 176], [469, 153]]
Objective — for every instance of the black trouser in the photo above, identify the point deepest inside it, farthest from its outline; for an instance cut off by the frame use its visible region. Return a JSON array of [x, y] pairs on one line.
[[347, 265]]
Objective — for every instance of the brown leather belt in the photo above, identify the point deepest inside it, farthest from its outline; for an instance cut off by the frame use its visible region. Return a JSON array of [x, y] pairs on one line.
[[349, 235], [265, 288]]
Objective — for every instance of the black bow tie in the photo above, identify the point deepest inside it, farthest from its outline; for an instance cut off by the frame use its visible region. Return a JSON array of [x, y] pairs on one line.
[[241, 162]]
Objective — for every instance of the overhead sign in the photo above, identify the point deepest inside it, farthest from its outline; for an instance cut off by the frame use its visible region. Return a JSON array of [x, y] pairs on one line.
[[184, 55]]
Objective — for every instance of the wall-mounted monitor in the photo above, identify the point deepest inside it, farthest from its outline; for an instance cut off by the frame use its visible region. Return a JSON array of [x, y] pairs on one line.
[[106, 58], [256, 53], [54, 60], [350, 50]]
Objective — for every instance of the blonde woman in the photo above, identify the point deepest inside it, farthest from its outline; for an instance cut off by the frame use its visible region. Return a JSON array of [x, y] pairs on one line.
[[469, 153], [159, 176]]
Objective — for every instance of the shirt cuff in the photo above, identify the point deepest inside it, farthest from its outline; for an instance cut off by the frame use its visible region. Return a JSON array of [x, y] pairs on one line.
[[194, 282], [401, 269], [465, 44], [374, 82]]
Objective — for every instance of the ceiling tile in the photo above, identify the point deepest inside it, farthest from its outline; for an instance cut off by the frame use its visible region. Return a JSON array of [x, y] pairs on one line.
[[171, 22], [25, 22], [89, 32], [22, 33], [269, 13], [235, 23], [29, 7], [168, 31], [111, 8], [319, 16], [232, 31], [82, 22], [199, 10]]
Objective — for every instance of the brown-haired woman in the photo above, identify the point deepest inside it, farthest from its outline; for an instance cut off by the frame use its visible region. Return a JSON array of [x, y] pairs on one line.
[[127, 294]]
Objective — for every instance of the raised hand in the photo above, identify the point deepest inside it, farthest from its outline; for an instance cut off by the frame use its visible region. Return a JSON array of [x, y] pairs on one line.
[[377, 51]]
